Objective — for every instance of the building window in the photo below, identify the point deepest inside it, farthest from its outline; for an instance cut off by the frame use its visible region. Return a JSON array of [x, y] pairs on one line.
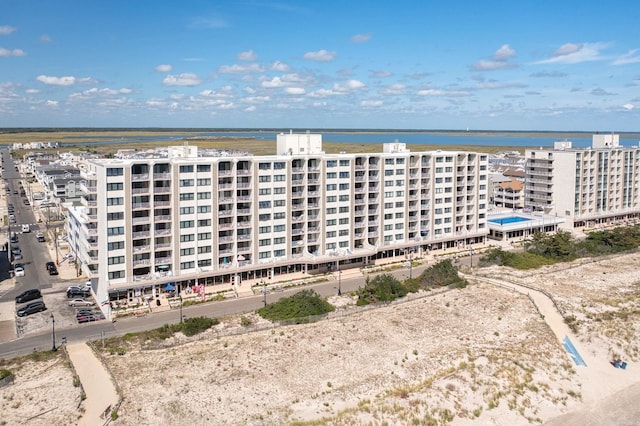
[[116, 230], [279, 228], [264, 178], [187, 265], [264, 255], [264, 205], [187, 251], [204, 195], [204, 209], [265, 242], [188, 196], [204, 236], [113, 275], [186, 169], [116, 201], [186, 224], [115, 260], [279, 240], [204, 167], [186, 210], [115, 171], [279, 178], [279, 203], [204, 262], [204, 222], [116, 245], [264, 229], [204, 182], [264, 191], [186, 182], [187, 237], [116, 186], [115, 216], [264, 166]]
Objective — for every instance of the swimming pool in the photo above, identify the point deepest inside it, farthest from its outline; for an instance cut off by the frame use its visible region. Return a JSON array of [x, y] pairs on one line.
[[509, 219]]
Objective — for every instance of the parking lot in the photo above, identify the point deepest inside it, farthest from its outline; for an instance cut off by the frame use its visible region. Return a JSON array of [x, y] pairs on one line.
[[29, 258]]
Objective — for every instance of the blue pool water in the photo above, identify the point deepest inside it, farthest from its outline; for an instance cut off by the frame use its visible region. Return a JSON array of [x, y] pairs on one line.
[[509, 219]]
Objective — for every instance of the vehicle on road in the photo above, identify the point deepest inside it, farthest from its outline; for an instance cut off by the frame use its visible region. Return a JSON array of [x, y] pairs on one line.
[[26, 228], [31, 308], [79, 288], [26, 202], [40, 237], [51, 268], [88, 318], [80, 302], [12, 218], [18, 270], [28, 295], [16, 253]]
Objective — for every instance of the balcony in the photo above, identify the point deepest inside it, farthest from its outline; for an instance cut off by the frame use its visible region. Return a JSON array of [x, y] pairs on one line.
[[136, 191], [163, 260], [163, 176], [160, 232], [141, 234], [223, 213], [162, 218], [161, 203], [161, 189], [142, 248], [143, 219], [141, 262], [140, 176], [138, 206]]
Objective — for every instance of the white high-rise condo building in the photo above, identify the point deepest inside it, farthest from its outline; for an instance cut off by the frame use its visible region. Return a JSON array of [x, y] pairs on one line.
[[182, 218], [587, 187]]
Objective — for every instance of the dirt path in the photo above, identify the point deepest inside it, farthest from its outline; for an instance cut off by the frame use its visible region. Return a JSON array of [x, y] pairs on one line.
[[96, 381], [603, 388]]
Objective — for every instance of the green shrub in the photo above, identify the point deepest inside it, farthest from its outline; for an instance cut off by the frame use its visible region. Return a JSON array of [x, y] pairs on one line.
[[382, 288], [4, 373], [441, 274], [303, 304]]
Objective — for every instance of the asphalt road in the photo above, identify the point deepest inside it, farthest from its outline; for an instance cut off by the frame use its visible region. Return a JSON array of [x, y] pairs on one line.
[[97, 330]]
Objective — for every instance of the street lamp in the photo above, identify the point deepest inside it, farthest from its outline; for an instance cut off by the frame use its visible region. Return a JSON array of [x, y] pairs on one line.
[[339, 281], [264, 292], [53, 333], [181, 317]]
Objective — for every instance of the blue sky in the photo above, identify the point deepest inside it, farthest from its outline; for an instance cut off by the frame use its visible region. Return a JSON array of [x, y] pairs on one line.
[[503, 65]]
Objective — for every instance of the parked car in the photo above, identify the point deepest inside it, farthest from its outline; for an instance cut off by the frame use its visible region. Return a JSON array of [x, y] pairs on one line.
[[14, 238], [53, 270], [16, 253], [31, 308], [77, 293], [26, 228], [26, 202], [79, 288], [88, 318], [80, 302], [18, 270], [40, 237], [28, 295]]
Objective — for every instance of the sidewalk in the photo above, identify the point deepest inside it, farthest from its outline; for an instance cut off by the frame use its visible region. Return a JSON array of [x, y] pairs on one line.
[[97, 384]]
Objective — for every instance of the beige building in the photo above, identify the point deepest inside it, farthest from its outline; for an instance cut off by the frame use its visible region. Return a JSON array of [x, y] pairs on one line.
[[183, 218], [588, 187]]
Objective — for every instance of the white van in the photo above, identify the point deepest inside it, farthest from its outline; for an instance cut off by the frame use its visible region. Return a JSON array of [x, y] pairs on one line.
[[26, 228]]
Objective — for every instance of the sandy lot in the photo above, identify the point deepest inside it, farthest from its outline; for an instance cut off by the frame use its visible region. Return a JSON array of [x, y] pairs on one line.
[[481, 355]]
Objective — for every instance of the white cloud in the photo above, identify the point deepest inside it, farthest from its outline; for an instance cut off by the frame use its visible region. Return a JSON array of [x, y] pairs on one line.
[[249, 90], [504, 53], [32, 91], [294, 91], [184, 79], [280, 66], [320, 56], [381, 74], [52, 103], [164, 68], [349, 86], [45, 38], [630, 57], [361, 38], [394, 89], [273, 83], [628, 107], [257, 99], [571, 53], [240, 69], [248, 56], [6, 29], [322, 93], [14, 52], [371, 103], [250, 108], [57, 81], [445, 93], [499, 60]]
